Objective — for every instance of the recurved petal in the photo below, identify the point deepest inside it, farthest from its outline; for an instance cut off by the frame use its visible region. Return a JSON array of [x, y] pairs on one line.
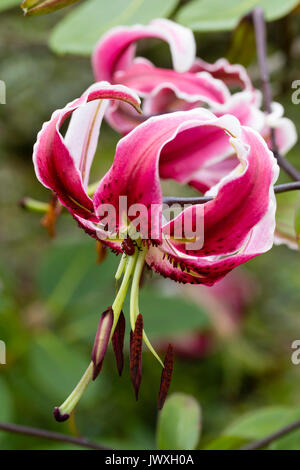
[[192, 87], [62, 163], [238, 224], [285, 130], [135, 172], [231, 74], [164, 91], [197, 146], [245, 107], [115, 50], [241, 199]]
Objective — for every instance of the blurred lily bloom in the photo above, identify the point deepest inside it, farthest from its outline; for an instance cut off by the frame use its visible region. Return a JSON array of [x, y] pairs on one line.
[[191, 83]]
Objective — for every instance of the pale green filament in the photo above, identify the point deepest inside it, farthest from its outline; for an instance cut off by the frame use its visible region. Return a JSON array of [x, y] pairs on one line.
[[69, 404], [134, 300], [119, 300], [121, 267]]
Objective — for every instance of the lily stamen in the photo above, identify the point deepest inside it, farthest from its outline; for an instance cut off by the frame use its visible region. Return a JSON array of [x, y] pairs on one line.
[[118, 342], [166, 377], [102, 340], [136, 343], [62, 413]]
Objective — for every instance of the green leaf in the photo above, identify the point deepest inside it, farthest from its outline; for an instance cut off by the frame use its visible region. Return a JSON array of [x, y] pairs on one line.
[[217, 15], [6, 4], [226, 443], [79, 32], [179, 423], [243, 49], [261, 423]]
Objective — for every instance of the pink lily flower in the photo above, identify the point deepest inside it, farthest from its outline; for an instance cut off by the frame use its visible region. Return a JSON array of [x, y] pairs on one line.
[[239, 222], [191, 83], [237, 225]]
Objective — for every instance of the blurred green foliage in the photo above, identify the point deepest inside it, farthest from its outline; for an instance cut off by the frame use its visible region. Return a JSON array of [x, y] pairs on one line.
[[215, 15], [80, 30], [6, 4], [52, 291]]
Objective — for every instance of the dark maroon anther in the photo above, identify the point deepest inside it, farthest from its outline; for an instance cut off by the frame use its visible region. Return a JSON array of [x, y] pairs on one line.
[[136, 340], [128, 247], [60, 418], [166, 377], [118, 342], [102, 340]]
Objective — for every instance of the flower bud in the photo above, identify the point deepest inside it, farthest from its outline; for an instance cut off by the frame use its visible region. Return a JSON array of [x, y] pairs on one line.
[[41, 7]]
